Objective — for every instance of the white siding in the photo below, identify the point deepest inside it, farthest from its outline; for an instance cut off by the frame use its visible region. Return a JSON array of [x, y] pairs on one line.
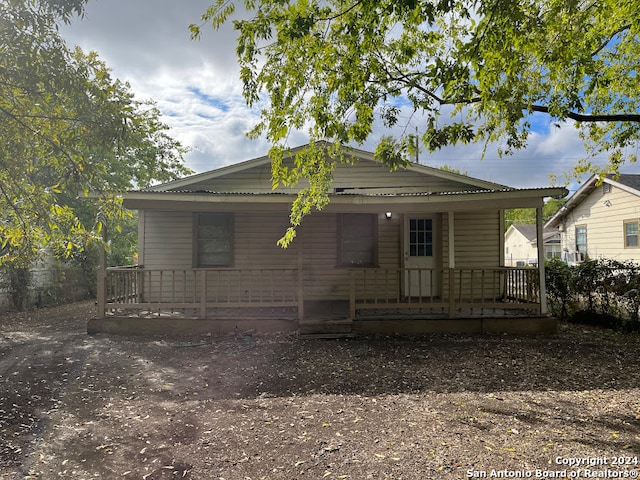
[[519, 249], [604, 216]]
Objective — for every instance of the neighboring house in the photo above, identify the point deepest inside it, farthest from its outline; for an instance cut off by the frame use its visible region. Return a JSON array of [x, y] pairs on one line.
[[521, 245], [415, 250], [600, 220]]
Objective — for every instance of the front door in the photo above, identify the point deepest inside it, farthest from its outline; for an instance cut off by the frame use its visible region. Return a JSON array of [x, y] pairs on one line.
[[420, 246]]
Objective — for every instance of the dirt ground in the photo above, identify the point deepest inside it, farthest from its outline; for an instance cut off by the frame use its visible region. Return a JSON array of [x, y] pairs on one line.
[[74, 406]]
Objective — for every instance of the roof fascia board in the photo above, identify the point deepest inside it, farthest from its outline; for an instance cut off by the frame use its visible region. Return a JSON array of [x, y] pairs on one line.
[[585, 190], [621, 186], [527, 196], [574, 201]]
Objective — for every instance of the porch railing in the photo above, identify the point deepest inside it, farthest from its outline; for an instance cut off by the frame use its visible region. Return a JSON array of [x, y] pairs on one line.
[[204, 293], [198, 292], [450, 292]]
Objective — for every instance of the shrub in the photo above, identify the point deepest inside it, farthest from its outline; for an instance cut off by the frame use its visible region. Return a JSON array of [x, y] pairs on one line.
[[558, 281], [610, 290]]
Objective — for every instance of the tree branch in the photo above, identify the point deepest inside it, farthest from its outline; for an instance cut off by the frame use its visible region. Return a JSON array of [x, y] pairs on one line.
[[613, 34], [580, 117]]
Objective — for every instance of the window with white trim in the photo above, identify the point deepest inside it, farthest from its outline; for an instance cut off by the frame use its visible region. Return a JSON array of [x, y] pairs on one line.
[[631, 234], [581, 239]]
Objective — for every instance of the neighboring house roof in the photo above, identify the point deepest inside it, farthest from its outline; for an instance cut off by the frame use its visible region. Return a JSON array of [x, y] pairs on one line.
[[627, 182], [528, 231]]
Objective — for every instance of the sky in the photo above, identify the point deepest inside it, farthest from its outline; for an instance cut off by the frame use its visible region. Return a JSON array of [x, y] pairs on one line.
[[196, 86]]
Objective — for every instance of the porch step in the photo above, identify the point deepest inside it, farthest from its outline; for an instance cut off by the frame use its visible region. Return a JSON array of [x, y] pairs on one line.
[[328, 326], [328, 336]]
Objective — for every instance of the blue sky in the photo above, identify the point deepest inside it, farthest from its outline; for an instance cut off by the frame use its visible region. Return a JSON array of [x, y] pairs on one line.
[[196, 86]]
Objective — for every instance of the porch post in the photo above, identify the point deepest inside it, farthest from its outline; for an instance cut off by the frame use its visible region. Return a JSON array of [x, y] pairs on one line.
[[101, 293], [203, 293], [452, 262], [300, 275], [541, 258]]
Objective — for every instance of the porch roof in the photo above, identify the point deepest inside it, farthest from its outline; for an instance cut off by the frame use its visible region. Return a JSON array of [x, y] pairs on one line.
[[518, 196], [342, 196]]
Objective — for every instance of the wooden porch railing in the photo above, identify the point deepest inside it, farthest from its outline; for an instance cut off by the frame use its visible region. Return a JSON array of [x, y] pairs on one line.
[[450, 292], [194, 292], [202, 293]]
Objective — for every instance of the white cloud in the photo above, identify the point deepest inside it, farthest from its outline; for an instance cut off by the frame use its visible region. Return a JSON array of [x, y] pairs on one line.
[[196, 86]]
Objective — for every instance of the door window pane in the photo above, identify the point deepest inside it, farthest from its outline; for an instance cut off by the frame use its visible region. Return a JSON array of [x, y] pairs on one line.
[[421, 237]]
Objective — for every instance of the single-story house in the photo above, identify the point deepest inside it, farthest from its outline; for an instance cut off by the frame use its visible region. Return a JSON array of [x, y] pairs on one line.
[[521, 245], [415, 250], [601, 220]]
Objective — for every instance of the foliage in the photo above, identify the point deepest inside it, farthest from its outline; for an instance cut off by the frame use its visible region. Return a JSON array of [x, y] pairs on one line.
[[69, 131], [527, 216], [16, 281], [609, 288], [494, 66], [558, 276]]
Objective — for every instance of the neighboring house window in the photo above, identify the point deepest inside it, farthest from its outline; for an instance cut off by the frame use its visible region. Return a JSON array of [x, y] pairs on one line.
[[581, 239], [630, 233], [606, 188], [357, 239], [213, 240], [553, 251]]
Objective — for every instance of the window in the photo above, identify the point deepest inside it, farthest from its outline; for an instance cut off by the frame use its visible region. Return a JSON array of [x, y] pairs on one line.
[[357, 239], [421, 237], [606, 188], [213, 240], [581, 239], [631, 234], [552, 251]]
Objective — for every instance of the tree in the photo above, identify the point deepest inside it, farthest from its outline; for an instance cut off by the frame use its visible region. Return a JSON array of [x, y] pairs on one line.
[[527, 216], [336, 66], [69, 131]]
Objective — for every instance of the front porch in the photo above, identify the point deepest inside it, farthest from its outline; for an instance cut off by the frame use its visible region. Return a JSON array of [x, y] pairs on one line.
[[370, 300]]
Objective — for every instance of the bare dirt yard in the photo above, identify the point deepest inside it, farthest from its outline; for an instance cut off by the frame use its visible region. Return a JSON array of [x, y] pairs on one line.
[[74, 406]]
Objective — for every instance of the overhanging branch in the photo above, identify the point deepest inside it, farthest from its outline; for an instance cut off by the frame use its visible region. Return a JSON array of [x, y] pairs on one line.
[[580, 117], [409, 82]]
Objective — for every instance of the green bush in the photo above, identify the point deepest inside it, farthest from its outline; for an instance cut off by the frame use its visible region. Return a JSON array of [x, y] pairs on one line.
[[607, 290], [558, 280]]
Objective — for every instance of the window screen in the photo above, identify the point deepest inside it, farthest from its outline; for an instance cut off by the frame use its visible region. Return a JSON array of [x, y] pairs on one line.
[[214, 239], [357, 239]]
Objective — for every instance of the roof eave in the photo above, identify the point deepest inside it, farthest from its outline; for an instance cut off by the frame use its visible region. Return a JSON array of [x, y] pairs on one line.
[[132, 199]]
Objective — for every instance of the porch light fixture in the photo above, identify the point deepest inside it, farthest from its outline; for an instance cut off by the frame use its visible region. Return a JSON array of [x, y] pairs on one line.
[[388, 215]]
